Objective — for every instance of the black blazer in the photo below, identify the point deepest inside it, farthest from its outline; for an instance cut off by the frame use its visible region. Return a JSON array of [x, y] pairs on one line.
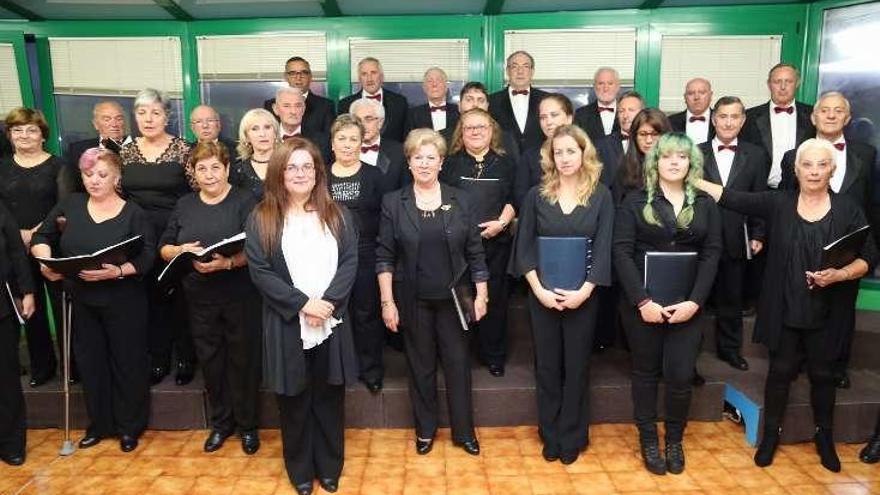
[[398, 244], [502, 112], [678, 121], [748, 173], [319, 114], [587, 118], [396, 107], [5, 146], [528, 175], [610, 151], [392, 162], [757, 127], [420, 116], [322, 141], [15, 268]]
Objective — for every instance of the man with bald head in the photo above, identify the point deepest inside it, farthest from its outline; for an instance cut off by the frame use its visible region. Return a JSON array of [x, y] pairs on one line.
[[437, 113], [289, 107], [371, 77], [696, 120], [599, 118], [206, 126], [108, 119]]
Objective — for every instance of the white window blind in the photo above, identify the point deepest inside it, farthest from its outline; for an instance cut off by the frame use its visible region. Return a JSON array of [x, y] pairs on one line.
[[570, 57], [10, 91], [259, 58], [407, 60], [116, 66], [735, 65]]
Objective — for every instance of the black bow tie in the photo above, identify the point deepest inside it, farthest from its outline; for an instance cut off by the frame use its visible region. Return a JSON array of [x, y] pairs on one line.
[[111, 144]]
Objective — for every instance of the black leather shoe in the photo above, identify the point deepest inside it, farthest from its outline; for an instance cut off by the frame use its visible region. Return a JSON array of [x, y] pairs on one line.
[[496, 370], [329, 484], [128, 443], [186, 371], [250, 442], [568, 457], [13, 460], [215, 440], [654, 463], [550, 453], [735, 361], [871, 453], [89, 441], [674, 458], [374, 386], [767, 448], [698, 380], [824, 441], [304, 488], [157, 374], [424, 446], [38, 379], [472, 447], [841, 380]]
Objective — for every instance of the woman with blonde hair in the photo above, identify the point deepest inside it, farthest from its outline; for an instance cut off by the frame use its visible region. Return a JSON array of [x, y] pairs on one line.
[[570, 205], [257, 139]]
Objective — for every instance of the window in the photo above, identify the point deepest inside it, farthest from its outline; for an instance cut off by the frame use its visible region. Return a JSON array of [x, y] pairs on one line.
[[735, 65], [566, 59], [405, 63], [10, 91]]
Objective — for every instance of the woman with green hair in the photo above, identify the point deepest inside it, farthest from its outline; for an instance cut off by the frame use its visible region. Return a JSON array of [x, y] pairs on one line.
[[669, 215]]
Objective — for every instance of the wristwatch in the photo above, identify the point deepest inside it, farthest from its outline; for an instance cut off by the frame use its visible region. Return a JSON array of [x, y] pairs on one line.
[[503, 223]]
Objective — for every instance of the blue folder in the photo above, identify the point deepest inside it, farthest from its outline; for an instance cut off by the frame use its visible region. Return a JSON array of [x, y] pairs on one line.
[[564, 262]]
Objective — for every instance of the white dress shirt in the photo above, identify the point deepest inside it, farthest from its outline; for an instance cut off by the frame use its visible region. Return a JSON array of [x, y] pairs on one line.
[[697, 130], [520, 104], [783, 133], [723, 159], [371, 157], [608, 118], [364, 95], [840, 170], [283, 134], [438, 118]]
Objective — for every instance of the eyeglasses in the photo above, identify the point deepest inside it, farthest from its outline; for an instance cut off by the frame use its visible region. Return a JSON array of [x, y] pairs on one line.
[[307, 169], [201, 122], [18, 131], [519, 66], [299, 73], [475, 128]]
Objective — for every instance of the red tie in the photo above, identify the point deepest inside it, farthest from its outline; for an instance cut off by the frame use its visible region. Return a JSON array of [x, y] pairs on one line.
[[606, 109], [377, 97], [840, 146], [372, 147], [695, 118], [289, 136], [439, 109], [519, 92], [731, 147], [788, 110]]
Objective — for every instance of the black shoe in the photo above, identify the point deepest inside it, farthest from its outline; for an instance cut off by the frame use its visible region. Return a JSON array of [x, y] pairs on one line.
[[767, 448], [496, 370], [698, 380], [735, 361], [472, 447], [250, 442], [329, 484], [13, 460], [215, 440], [824, 441], [157, 374], [128, 443], [841, 380], [568, 457], [38, 379], [424, 446], [374, 386], [674, 457], [871, 453], [186, 371], [550, 453], [654, 463], [304, 488], [89, 440]]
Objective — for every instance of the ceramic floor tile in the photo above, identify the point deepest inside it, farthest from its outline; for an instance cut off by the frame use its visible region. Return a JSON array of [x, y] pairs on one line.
[[734, 458], [467, 484], [862, 472], [628, 481], [255, 485], [621, 461], [462, 466], [171, 485], [213, 485], [753, 477], [586, 463], [848, 489], [504, 466], [788, 475], [425, 467], [507, 485], [808, 489], [712, 479], [538, 465], [673, 483], [499, 447], [824, 476], [551, 484], [592, 483]]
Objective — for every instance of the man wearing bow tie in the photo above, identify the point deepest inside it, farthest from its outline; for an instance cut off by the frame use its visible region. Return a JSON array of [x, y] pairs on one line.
[[515, 107], [781, 124], [289, 107], [598, 118], [740, 166], [696, 121], [319, 112], [383, 153], [108, 118], [371, 78], [438, 114], [612, 147]]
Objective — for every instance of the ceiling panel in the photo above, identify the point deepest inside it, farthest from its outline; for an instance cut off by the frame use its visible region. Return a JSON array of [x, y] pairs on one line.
[[514, 6], [404, 7], [5, 14], [96, 9], [226, 9], [693, 3]]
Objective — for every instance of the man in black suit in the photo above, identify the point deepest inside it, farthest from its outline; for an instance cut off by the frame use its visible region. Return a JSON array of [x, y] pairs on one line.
[[108, 118], [852, 177], [697, 120], [599, 118], [781, 124], [612, 147], [289, 107], [438, 114], [515, 107], [474, 95], [319, 112], [206, 126], [384, 153], [371, 78], [741, 166]]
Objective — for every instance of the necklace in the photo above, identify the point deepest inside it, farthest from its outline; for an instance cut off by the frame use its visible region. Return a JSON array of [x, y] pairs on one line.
[[428, 202]]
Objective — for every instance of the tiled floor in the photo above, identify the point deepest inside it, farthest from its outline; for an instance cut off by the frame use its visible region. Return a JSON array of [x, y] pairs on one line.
[[384, 462]]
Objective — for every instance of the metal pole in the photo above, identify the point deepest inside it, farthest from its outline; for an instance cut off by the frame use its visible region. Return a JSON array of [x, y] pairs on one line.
[[67, 447]]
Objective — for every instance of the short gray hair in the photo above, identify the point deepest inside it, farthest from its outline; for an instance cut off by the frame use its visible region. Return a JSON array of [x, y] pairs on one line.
[[606, 69], [366, 102], [285, 90], [435, 69], [816, 144], [149, 96], [831, 94]]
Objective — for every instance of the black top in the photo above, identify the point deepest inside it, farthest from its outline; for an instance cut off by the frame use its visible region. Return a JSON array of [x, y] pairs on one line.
[[194, 220], [528, 174], [30, 192], [589, 119], [14, 266], [159, 184], [633, 236], [434, 268], [362, 194], [805, 307], [538, 217], [82, 235], [243, 175], [490, 183]]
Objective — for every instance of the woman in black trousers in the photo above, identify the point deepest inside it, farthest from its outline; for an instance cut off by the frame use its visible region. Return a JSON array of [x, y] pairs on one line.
[[109, 304], [224, 314], [429, 241], [668, 215], [569, 202], [302, 255], [803, 304], [479, 166], [15, 273]]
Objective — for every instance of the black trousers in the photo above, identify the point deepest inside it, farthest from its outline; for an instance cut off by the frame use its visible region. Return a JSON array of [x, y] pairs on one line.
[[37, 331], [437, 331], [727, 294], [607, 317], [841, 363], [168, 323], [111, 344], [367, 327], [785, 365], [667, 350], [492, 329], [12, 410], [563, 344], [312, 423], [228, 342]]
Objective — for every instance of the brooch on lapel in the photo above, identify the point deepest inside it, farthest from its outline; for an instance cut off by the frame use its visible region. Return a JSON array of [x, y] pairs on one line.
[[445, 207]]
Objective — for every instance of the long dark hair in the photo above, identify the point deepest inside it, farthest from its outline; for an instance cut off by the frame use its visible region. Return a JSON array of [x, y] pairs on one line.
[[632, 170]]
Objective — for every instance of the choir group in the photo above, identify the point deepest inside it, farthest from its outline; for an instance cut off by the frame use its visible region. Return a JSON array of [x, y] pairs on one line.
[[380, 225]]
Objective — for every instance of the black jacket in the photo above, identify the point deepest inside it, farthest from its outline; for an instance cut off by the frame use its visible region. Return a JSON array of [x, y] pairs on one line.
[[396, 107], [610, 152], [757, 127], [678, 121], [392, 162], [420, 116], [587, 118], [319, 114], [15, 268], [502, 112]]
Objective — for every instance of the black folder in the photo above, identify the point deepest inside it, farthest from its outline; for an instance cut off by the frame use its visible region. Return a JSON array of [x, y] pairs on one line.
[[181, 264], [670, 276], [463, 295], [117, 254], [845, 250], [564, 262], [15, 302]]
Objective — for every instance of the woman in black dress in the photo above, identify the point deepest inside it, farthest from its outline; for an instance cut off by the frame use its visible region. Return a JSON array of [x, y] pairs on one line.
[[358, 187], [32, 181], [302, 255], [803, 305], [154, 175], [429, 241], [15, 273], [668, 215], [569, 202], [109, 304], [257, 139], [223, 304]]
